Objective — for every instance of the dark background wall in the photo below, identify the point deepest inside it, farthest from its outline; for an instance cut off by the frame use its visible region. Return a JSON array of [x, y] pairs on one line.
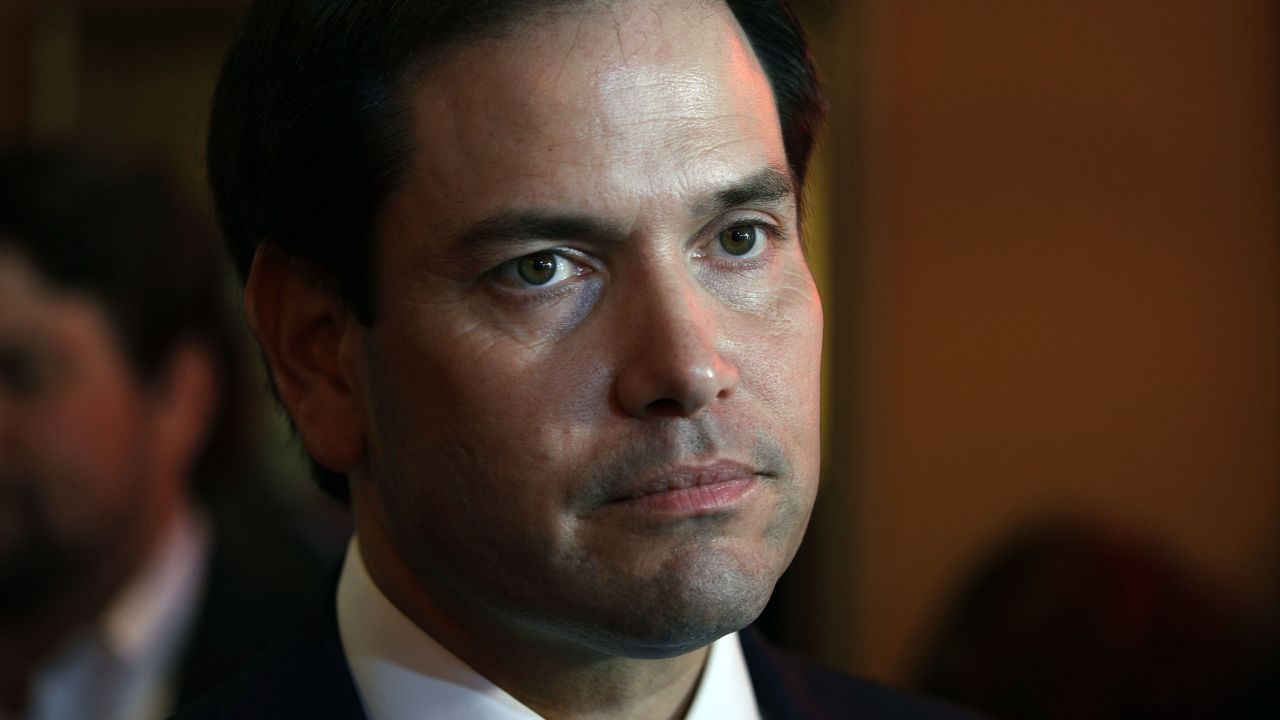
[[1068, 289]]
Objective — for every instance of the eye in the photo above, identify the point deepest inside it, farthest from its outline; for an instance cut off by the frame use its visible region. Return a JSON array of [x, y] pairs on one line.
[[539, 270], [743, 241], [23, 373]]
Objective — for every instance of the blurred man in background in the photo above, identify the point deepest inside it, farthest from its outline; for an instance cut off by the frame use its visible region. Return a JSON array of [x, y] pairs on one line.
[[121, 594]]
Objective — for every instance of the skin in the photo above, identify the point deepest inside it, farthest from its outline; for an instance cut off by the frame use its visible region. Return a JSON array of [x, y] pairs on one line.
[[92, 464], [489, 428]]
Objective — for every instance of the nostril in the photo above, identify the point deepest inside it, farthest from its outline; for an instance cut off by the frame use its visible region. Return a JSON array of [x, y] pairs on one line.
[[677, 378], [665, 407]]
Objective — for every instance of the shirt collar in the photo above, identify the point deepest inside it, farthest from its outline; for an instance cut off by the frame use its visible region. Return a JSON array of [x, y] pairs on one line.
[[160, 597], [121, 666], [399, 669], [725, 691]]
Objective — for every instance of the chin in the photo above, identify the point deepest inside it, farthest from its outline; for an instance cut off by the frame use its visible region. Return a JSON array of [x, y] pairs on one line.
[[679, 613]]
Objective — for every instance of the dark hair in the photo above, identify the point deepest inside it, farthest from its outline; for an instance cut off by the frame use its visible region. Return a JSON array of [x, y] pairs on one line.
[[120, 235], [309, 132]]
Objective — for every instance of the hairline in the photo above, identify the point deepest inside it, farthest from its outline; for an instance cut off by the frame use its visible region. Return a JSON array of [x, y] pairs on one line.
[[418, 70]]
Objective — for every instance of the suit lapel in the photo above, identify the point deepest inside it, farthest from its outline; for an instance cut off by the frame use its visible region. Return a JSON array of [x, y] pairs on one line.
[[767, 678], [301, 673]]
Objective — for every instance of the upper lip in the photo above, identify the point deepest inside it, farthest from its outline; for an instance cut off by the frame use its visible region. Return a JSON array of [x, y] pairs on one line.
[[679, 477]]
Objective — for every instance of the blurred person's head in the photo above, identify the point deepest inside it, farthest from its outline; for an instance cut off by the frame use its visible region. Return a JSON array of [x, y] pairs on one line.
[[1069, 620], [114, 352]]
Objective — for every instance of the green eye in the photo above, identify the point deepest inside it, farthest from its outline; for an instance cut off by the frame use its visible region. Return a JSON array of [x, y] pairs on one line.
[[740, 240], [538, 269]]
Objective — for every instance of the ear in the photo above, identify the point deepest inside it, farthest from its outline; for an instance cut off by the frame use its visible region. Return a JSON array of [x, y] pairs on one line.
[[301, 328], [186, 402]]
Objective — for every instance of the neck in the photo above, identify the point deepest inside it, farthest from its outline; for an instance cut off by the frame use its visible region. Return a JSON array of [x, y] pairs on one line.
[[557, 678]]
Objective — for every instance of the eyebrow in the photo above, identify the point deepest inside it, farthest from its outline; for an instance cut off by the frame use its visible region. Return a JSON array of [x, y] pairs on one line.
[[767, 186], [535, 225]]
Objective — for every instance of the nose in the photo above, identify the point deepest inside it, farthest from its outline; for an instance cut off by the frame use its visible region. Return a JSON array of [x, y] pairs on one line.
[[674, 366]]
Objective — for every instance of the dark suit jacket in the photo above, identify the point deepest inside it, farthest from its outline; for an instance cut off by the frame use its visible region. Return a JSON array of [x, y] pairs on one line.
[[303, 673], [260, 568]]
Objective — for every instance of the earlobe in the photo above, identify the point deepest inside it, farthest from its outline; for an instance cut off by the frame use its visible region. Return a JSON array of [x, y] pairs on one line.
[[187, 402], [300, 326]]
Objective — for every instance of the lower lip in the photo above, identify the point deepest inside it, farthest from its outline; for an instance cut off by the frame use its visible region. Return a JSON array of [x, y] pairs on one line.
[[699, 500]]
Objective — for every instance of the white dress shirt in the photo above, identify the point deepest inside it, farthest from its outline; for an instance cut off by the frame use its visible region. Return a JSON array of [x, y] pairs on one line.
[[121, 667], [401, 673]]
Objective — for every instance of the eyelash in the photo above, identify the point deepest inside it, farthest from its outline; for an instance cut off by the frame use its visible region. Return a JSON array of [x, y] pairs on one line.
[[774, 236], [535, 296]]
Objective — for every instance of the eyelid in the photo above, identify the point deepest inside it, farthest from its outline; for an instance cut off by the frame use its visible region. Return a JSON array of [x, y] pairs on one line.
[[508, 268], [775, 232]]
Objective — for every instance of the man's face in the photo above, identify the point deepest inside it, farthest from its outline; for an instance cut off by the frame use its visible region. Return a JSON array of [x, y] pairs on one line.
[[592, 295], [75, 438]]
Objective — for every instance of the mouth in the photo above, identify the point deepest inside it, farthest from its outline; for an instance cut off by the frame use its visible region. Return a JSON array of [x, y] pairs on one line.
[[690, 490]]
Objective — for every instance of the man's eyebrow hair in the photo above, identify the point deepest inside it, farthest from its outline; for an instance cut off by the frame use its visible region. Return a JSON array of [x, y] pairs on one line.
[[768, 185], [534, 225]]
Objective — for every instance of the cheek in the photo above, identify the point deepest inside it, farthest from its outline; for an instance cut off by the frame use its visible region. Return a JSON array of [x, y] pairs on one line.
[[85, 453], [508, 395], [779, 354], [506, 420], [486, 445]]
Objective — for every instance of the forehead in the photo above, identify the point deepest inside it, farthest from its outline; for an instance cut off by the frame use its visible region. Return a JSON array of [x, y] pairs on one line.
[[24, 293], [33, 308], [632, 99]]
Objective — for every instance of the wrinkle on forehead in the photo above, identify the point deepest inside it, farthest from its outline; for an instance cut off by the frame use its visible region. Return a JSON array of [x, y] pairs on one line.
[[646, 99], [652, 65], [634, 38], [690, 50]]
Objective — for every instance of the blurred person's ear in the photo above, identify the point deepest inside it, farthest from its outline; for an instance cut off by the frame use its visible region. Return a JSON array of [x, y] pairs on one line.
[[301, 327], [187, 404]]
